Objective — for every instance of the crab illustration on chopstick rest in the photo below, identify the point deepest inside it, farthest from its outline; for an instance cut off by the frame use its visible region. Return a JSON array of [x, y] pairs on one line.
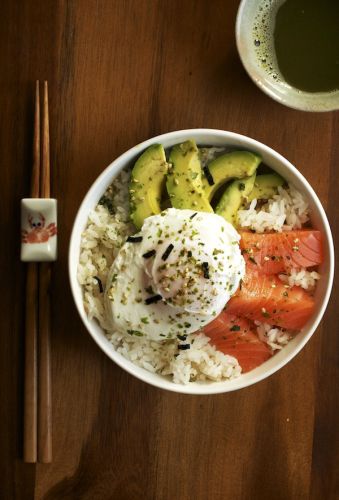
[[38, 229]]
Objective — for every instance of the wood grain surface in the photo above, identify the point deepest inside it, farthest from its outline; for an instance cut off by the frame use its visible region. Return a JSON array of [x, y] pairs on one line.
[[119, 72]]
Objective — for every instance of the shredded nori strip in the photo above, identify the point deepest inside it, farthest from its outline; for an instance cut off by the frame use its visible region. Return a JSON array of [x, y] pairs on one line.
[[192, 216], [235, 328], [134, 239], [182, 337], [149, 254], [205, 268], [184, 347], [106, 202], [167, 252], [153, 299], [208, 175], [101, 288]]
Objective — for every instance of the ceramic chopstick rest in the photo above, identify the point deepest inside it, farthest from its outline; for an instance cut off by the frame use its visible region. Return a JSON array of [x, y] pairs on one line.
[[38, 229]]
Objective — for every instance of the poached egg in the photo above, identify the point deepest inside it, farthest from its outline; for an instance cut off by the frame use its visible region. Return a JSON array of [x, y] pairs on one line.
[[175, 275]]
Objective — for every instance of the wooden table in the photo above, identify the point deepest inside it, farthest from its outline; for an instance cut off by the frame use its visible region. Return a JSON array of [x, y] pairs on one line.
[[120, 72]]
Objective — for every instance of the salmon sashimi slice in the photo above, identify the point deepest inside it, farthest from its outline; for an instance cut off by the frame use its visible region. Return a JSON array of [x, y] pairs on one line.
[[273, 253], [234, 336], [266, 299]]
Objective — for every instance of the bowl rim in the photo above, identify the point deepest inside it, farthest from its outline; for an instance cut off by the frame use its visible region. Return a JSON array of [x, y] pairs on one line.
[[194, 388]]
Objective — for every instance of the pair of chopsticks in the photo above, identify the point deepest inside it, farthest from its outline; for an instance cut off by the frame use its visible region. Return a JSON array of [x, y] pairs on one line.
[[37, 397]]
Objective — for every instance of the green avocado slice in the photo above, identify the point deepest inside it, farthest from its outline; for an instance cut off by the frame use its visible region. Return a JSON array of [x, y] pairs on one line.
[[147, 182], [184, 183], [236, 164], [265, 186], [234, 195]]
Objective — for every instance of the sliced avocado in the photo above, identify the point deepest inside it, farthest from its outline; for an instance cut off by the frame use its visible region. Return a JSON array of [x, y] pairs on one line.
[[184, 183], [235, 194], [237, 164], [265, 186], [147, 182]]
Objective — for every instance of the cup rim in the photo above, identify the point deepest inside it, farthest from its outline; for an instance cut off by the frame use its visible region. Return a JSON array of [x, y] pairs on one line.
[[270, 89], [91, 198]]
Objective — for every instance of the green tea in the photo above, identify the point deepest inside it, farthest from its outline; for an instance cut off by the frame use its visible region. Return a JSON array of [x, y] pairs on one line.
[[306, 43]]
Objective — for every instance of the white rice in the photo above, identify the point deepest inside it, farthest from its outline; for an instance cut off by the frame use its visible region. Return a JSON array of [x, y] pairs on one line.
[[201, 362], [276, 338], [287, 210], [104, 235], [301, 277], [107, 230], [209, 154]]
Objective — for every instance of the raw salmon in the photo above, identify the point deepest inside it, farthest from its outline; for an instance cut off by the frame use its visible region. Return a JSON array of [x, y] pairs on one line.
[[273, 253], [266, 299], [234, 336]]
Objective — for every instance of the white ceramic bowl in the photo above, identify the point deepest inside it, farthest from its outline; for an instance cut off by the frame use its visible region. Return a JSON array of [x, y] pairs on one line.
[[277, 88], [278, 163]]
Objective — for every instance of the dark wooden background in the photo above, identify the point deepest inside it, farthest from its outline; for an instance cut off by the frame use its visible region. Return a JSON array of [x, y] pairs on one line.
[[121, 71]]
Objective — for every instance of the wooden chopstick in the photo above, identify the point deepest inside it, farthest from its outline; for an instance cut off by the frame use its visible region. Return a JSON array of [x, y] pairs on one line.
[[37, 397], [31, 314], [45, 171], [44, 336], [35, 181]]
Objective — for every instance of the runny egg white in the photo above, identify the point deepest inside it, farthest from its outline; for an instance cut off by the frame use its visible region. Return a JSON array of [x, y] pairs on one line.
[[175, 275]]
